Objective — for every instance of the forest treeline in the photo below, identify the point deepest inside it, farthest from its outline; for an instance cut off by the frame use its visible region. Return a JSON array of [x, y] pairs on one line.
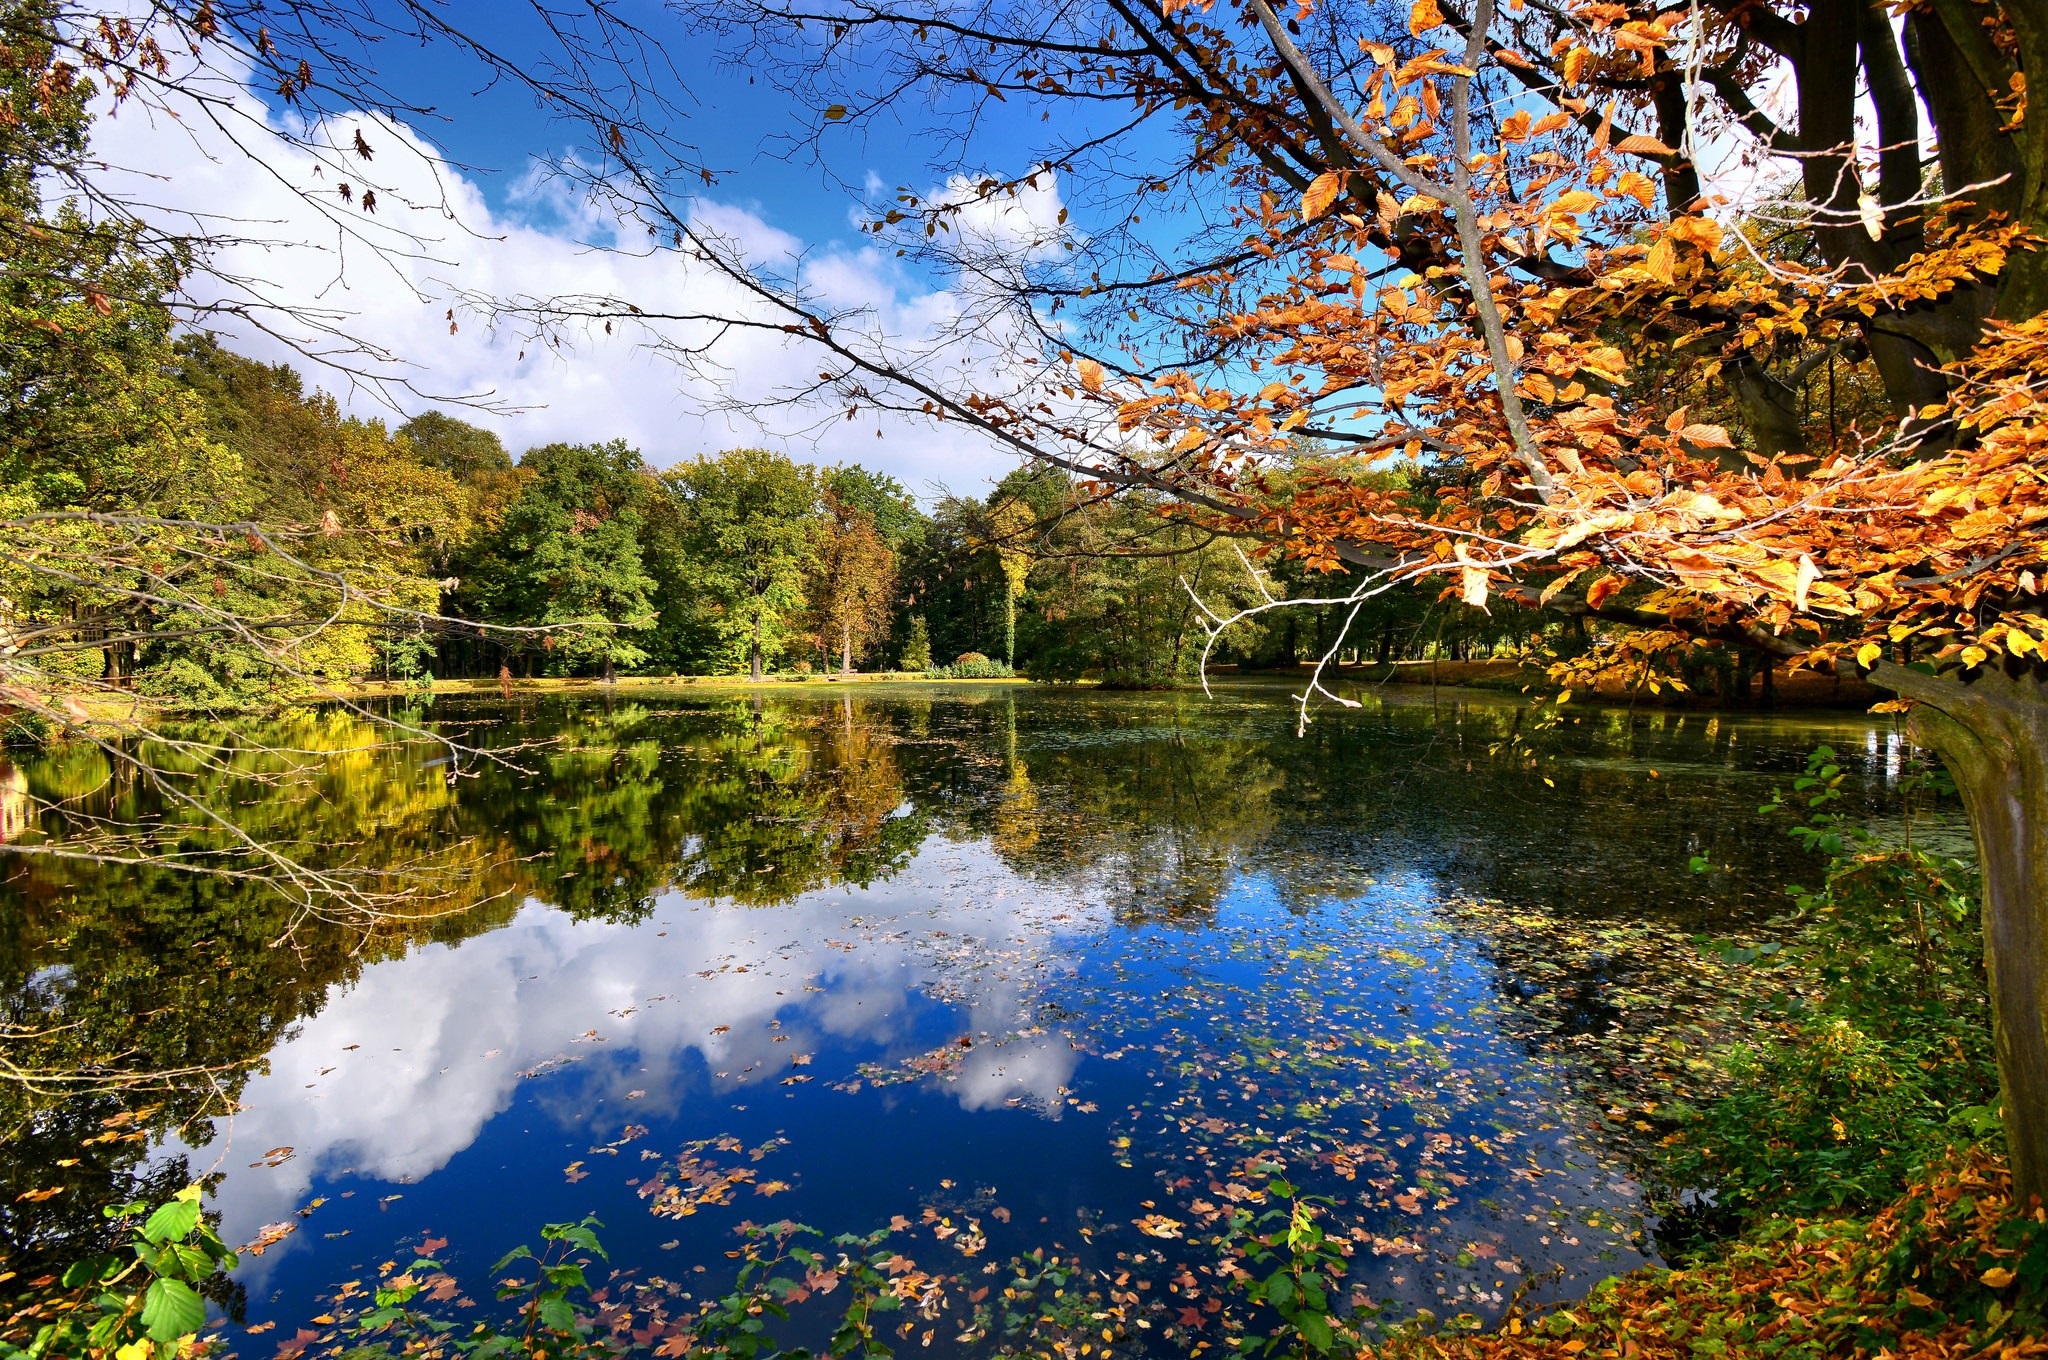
[[586, 559]]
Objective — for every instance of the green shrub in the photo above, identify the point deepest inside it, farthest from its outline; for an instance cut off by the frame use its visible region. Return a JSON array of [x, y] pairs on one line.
[[182, 680], [973, 666], [26, 731]]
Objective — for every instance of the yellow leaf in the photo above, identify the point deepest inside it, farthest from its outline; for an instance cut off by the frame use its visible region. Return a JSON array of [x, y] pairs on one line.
[[1091, 374], [1550, 591], [1707, 436], [1322, 192], [1606, 521], [1703, 232], [1637, 144], [1661, 260], [1574, 65], [1998, 1277], [1423, 17], [1576, 201], [1637, 186], [1868, 655]]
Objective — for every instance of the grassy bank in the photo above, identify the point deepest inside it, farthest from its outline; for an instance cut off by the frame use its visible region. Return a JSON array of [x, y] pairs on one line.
[[658, 683]]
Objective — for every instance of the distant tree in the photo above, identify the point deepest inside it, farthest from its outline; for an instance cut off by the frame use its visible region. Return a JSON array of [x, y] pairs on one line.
[[1007, 535], [747, 527], [465, 451], [917, 646], [569, 552], [1109, 596], [950, 579], [90, 415], [882, 498], [854, 590]]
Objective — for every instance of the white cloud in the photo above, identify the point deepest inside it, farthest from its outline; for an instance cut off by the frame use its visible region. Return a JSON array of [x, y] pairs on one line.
[[392, 277], [400, 1072]]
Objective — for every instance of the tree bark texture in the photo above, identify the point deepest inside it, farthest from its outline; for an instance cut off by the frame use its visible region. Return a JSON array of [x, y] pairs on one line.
[[1991, 730]]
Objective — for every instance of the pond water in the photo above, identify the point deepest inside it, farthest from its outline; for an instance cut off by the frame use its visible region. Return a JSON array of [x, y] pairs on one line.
[[1009, 969]]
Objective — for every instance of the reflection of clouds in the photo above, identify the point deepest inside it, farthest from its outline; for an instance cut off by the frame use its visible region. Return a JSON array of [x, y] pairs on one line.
[[1026, 1071], [399, 1073]]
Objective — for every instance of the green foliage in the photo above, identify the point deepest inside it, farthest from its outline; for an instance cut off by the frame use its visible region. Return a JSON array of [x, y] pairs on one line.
[[970, 666], [917, 646], [568, 558], [145, 1301], [1890, 1066], [881, 498], [1306, 1270], [458, 448], [744, 547]]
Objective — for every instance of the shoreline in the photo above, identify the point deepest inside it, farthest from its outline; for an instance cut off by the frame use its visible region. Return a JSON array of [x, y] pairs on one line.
[[1504, 678]]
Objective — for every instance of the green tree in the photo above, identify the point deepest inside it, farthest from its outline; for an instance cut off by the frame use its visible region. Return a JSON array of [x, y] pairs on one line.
[[881, 498], [90, 417], [465, 451], [953, 583], [747, 523], [569, 553], [917, 646]]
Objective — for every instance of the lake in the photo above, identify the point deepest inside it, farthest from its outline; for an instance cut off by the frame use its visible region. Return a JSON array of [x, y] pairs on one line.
[[994, 970]]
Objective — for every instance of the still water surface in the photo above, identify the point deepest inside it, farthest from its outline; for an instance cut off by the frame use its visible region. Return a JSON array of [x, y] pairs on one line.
[[1021, 969]]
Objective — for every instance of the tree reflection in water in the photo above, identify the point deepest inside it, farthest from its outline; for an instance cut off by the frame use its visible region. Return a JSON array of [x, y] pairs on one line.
[[861, 817]]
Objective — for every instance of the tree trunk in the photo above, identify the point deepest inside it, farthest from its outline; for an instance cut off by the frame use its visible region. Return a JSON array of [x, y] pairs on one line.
[[846, 647], [754, 657], [1991, 731]]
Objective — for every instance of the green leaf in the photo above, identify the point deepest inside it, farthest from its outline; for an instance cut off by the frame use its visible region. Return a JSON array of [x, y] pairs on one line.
[[583, 1237], [567, 1277], [557, 1315], [173, 1221], [170, 1310], [516, 1254], [93, 1268]]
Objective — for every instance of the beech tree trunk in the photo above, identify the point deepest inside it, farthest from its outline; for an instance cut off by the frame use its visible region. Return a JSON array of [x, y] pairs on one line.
[[754, 658], [846, 647], [1991, 730]]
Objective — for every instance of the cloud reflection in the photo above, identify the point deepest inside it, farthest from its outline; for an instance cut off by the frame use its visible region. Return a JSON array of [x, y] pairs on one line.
[[399, 1073]]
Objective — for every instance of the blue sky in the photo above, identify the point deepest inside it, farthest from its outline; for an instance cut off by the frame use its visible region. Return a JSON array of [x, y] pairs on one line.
[[488, 229]]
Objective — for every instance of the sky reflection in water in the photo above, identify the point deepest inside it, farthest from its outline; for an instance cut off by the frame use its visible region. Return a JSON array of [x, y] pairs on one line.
[[1108, 953]]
